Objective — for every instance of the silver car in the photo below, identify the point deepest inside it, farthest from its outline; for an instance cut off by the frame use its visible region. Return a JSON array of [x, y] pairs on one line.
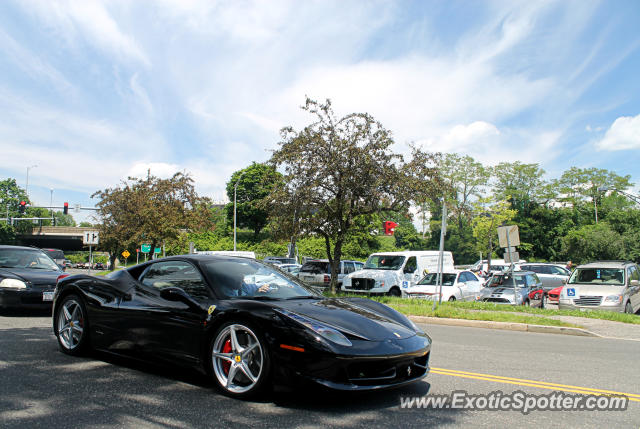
[[603, 285], [519, 288], [551, 275]]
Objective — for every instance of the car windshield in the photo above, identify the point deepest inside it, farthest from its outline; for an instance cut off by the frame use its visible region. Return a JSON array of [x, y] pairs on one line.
[[26, 258], [246, 279], [384, 262], [432, 279], [505, 280], [605, 276], [315, 267]]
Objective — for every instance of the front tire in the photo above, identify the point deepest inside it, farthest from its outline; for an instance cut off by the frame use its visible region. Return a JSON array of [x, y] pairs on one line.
[[628, 308], [452, 299], [72, 326], [395, 291], [239, 360]]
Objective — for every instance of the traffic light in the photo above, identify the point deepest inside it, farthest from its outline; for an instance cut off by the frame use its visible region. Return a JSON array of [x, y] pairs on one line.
[[65, 209], [22, 207]]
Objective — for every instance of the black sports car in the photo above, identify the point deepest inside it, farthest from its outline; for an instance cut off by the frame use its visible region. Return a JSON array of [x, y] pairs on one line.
[[27, 278], [244, 322]]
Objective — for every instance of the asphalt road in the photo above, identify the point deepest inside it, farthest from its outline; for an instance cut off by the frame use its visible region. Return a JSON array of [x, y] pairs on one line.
[[41, 387]]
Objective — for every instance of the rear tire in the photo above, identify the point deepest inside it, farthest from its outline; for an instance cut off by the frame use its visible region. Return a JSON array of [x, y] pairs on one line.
[[72, 326]]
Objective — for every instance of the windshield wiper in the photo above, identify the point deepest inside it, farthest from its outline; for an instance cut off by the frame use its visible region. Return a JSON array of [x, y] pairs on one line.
[[303, 297]]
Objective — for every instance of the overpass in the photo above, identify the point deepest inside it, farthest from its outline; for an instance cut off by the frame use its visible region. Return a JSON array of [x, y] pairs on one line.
[[58, 237]]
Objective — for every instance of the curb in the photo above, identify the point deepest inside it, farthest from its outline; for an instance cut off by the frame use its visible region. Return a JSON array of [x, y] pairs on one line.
[[506, 326]]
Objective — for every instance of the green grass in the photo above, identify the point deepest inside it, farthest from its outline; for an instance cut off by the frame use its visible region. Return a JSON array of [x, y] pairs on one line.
[[497, 312]]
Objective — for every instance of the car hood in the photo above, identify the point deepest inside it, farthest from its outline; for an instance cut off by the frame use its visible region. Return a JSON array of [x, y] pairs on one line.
[[595, 290], [35, 277], [349, 318], [372, 274]]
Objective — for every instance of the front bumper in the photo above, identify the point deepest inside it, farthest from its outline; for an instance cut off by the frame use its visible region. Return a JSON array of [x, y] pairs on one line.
[[24, 298], [355, 373], [568, 304]]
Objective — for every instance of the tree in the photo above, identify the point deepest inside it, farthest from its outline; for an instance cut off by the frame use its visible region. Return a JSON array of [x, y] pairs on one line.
[[593, 242], [336, 169], [489, 214], [150, 210], [10, 196], [519, 183], [255, 183], [466, 178]]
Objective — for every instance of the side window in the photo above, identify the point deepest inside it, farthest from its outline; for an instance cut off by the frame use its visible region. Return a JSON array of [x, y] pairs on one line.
[[635, 273], [180, 274], [559, 271], [348, 267], [464, 277], [411, 265], [359, 265]]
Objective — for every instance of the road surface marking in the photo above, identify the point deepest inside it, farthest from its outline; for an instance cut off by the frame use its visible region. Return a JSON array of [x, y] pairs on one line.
[[532, 383]]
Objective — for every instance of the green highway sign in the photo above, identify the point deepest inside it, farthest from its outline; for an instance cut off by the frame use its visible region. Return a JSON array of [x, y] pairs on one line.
[[145, 248], [157, 250]]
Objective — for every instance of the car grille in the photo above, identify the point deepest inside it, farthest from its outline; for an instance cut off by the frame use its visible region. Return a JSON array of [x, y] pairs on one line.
[[362, 284], [386, 372], [588, 300], [496, 300]]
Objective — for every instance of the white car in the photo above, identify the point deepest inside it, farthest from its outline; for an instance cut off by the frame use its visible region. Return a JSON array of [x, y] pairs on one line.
[[456, 286]]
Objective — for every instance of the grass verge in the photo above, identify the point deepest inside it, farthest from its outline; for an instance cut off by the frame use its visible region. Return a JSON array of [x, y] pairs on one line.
[[497, 312]]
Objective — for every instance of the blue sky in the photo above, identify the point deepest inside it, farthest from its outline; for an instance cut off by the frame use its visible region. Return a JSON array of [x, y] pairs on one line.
[[92, 92]]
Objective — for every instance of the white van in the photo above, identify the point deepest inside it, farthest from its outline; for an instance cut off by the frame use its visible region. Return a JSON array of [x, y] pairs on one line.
[[391, 272]]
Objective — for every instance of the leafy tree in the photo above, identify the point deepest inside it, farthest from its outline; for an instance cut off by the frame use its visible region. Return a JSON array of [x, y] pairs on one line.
[[254, 184], [489, 214], [585, 184], [593, 242], [150, 210], [336, 169], [467, 179], [10, 196], [519, 183]]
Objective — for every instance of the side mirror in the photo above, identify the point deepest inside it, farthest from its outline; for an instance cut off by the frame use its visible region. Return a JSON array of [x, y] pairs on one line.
[[177, 294], [634, 283]]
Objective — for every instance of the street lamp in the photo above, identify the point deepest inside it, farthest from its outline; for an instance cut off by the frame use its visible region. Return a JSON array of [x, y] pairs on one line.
[[235, 191], [26, 186]]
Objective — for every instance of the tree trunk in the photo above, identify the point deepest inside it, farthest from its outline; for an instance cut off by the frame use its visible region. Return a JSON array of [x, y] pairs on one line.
[[335, 266]]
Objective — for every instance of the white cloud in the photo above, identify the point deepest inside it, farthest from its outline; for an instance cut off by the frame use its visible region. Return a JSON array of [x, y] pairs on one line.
[[87, 20], [624, 134]]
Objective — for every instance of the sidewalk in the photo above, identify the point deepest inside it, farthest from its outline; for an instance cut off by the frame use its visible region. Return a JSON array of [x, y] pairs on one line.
[[588, 327]]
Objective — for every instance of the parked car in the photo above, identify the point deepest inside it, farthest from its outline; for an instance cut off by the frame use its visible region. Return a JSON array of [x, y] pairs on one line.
[[241, 322], [28, 277], [554, 295], [392, 272], [603, 285], [292, 269], [456, 286], [519, 288], [99, 266], [67, 263], [279, 260], [497, 265], [551, 275], [317, 272]]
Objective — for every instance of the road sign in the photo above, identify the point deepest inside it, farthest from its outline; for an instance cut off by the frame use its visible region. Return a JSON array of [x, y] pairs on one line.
[[126, 254], [90, 238], [76, 208], [511, 257], [157, 250], [145, 248], [512, 232]]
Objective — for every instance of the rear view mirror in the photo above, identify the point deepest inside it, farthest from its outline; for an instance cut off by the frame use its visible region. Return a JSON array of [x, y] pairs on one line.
[[634, 283]]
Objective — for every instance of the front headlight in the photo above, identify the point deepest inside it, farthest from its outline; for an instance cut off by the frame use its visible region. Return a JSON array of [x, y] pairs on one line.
[[325, 331], [614, 298], [13, 283], [379, 283]]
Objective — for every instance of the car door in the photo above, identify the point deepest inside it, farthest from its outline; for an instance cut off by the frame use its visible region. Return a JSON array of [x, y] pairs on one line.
[[472, 285], [559, 276], [633, 276], [410, 272], [161, 328]]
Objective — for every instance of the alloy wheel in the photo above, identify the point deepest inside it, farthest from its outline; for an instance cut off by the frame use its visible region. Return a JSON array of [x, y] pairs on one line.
[[70, 324], [238, 359]]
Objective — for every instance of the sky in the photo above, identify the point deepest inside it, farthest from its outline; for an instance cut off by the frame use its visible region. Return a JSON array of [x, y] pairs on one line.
[[92, 92]]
